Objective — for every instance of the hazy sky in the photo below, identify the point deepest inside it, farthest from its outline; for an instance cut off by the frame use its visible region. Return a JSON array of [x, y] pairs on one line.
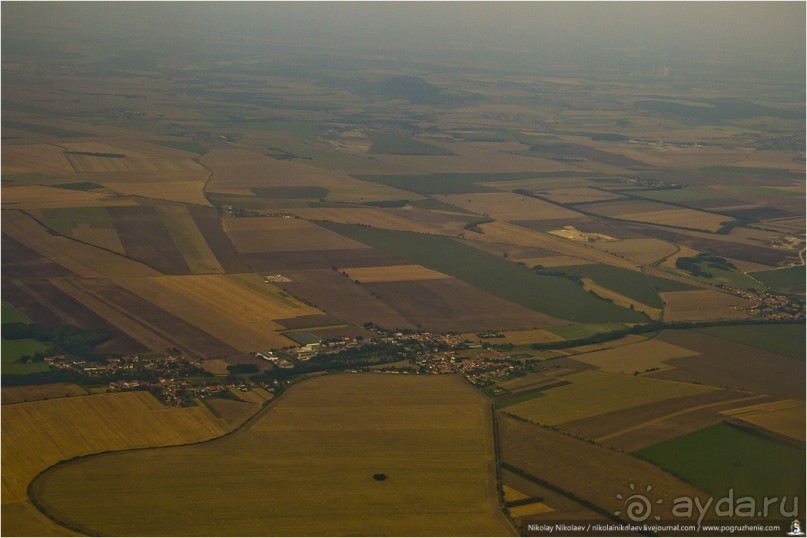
[[736, 30]]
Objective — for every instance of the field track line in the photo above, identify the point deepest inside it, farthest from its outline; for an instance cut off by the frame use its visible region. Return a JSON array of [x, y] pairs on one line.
[[671, 415]]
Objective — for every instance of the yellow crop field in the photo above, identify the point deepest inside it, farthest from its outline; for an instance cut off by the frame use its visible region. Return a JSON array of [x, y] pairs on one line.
[[39, 434], [273, 234], [637, 357], [393, 273], [243, 169], [31, 393], [408, 219], [699, 305], [621, 300], [553, 261], [306, 466], [786, 417], [41, 197], [82, 259], [530, 509], [189, 239], [595, 392], [642, 251], [231, 311], [508, 206], [35, 158], [512, 494], [688, 218]]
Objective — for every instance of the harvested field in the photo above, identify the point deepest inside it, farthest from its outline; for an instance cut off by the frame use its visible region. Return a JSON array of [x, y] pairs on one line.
[[45, 302], [139, 319], [785, 417], [520, 338], [564, 509], [242, 169], [42, 158], [576, 195], [40, 197], [701, 305], [639, 357], [502, 232], [275, 234], [509, 206], [342, 298], [641, 251], [216, 366], [19, 260], [341, 430], [410, 219], [188, 192], [146, 238], [210, 226], [231, 411], [225, 309], [685, 218], [90, 164], [283, 261], [39, 434], [643, 425], [81, 259], [590, 472], [453, 305], [189, 240], [594, 392], [32, 393], [726, 364], [393, 273]]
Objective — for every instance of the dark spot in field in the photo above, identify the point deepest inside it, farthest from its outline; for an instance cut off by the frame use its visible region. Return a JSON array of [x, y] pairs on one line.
[[379, 477]]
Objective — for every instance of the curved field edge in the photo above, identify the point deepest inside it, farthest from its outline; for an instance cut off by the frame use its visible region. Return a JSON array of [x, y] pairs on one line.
[[25, 503], [458, 482]]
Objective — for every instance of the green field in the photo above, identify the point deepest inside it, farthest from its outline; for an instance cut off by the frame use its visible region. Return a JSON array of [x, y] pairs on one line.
[[191, 146], [401, 144], [721, 457], [43, 129], [10, 314], [625, 282], [33, 177], [14, 349], [790, 280], [64, 219], [782, 339], [584, 330], [447, 183], [555, 296]]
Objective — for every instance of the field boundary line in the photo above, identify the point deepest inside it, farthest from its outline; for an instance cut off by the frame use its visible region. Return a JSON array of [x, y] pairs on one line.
[[675, 414]]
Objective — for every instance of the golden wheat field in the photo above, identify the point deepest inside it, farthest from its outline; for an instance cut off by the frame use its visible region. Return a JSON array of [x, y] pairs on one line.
[[305, 466], [232, 312], [785, 417], [39, 434]]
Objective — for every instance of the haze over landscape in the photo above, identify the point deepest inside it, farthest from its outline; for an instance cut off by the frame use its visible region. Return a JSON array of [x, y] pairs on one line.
[[408, 269]]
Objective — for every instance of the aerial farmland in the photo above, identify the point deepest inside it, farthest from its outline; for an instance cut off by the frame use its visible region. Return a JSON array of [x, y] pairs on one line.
[[294, 269]]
